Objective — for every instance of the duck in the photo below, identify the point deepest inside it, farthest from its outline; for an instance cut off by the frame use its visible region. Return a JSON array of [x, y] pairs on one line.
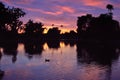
[[47, 60]]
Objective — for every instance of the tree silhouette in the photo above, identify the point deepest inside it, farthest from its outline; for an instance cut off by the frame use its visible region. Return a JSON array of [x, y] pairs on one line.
[[110, 8], [2, 15], [34, 28], [9, 17], [16, 13], [69, 35], [101, 27], [53, 33]]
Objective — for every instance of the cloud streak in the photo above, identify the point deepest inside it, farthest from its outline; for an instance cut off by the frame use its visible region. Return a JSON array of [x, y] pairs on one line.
[[66, 9], [44, 12], [19, 1]]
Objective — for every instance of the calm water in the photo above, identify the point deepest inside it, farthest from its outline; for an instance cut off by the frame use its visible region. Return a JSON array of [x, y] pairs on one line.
[[59, 61]]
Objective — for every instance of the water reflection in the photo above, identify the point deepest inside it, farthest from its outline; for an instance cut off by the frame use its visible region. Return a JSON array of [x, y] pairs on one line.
[[33, 48], [66, 60], [53, 44], [101, 54], [72, 43], [10, 50], [98, 59], [1, 74], [1, 71]]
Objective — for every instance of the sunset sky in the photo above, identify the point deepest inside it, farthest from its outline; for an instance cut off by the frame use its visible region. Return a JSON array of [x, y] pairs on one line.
[[62, 12]]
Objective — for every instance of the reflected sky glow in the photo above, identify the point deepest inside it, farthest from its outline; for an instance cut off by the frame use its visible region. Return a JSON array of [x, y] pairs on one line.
[[64, 63], [21, 48], [93, 72]]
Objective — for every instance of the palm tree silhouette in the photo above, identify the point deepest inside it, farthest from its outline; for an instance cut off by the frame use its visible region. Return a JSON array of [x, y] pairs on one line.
[[110, 8]]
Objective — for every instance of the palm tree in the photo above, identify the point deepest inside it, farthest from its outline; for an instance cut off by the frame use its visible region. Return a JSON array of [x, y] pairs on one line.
[[110, 8]]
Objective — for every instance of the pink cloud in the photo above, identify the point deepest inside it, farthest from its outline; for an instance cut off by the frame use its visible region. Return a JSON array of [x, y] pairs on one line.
[[44, 12], [66, 9], [10, 2], [53, 13], [95, 3], [7, 1], [24, 1], [117, 5], [18, 1]]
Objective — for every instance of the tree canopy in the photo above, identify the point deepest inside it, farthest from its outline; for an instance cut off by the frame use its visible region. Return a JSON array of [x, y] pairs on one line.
[[34, 27], [10, 16], [110, 8]]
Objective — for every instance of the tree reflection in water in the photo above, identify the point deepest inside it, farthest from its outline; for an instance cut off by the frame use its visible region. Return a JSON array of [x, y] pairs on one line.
[[10, 49], [33, 48], [99, 56], [94, 60]]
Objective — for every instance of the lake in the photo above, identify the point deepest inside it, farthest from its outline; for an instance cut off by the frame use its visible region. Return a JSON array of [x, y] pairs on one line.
[[59, 60]]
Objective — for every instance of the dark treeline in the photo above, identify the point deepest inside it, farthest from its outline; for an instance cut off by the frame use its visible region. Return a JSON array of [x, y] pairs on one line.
[[9, 20], [101, 27]]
